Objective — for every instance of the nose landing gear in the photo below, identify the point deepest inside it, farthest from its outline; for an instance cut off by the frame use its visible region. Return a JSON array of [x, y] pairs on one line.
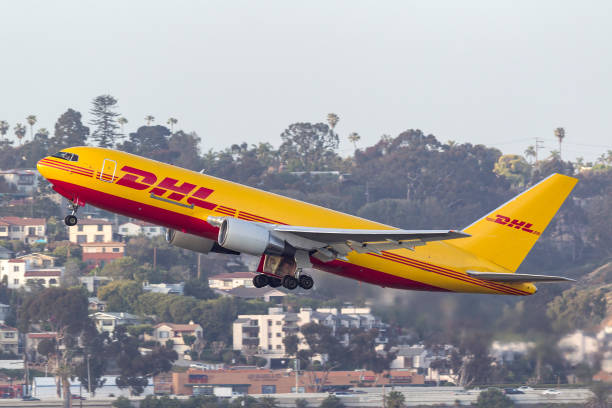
[[71, 219]]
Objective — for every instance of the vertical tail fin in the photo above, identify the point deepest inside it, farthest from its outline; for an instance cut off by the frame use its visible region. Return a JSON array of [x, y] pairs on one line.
[[506, 235]]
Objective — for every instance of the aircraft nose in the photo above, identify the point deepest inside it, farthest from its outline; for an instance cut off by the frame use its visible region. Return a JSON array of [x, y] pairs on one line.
[[40, 166]]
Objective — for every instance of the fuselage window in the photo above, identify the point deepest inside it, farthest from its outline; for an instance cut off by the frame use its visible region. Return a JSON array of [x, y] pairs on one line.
[[67, 156]]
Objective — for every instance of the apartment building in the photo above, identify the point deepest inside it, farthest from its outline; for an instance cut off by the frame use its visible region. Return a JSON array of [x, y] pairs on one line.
[[101, 252], [136, 227], [9, 339], [183, 336], [27, 230], [90, 230], [228, 281], [17, 274], [22, 180]]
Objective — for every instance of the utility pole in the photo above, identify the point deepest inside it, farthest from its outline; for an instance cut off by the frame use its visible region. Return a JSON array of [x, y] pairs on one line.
[[539, 144], [154, 258], [199, 266], [297, 373], [88, 377]]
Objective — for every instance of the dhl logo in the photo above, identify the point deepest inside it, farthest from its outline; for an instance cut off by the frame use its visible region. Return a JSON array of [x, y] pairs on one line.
[[514, 223], [142, 180]]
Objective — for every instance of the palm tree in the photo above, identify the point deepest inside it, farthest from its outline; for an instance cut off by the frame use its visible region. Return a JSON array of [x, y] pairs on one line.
[[530, 152], [4, 127], [332, 120], [43, 132], [172, 122], [149, 119], [354, 138], [601, 395], [20, 131], [394, 399], [560, 134], [31, 121], [122, 122]]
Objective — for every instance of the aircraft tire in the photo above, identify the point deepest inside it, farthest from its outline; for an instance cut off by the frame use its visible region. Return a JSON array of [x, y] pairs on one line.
[[306, 282], [259, 281], [274, 282], [290, 282], [71, 220]]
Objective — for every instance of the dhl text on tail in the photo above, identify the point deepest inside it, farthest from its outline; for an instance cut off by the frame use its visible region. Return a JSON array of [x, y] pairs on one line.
[[204, 214]]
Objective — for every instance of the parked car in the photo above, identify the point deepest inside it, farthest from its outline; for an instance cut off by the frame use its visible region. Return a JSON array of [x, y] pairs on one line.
[[78, 397], [29, 398], [525, 388], [551, 391]]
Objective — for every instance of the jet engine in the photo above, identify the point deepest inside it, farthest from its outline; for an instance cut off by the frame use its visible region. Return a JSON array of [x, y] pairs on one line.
[[194, 243], [245, 236]]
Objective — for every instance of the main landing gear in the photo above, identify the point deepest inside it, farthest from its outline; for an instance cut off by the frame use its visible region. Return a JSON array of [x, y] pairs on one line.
[[71, 219], [288, 281]]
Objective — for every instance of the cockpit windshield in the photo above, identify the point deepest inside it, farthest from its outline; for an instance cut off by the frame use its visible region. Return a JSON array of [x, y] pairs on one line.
[[67, 156]]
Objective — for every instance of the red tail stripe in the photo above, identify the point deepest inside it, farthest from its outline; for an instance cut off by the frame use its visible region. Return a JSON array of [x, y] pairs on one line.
[[455, 273]]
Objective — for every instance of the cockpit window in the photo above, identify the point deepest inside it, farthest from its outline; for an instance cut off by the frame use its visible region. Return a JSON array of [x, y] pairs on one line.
[[67, 156]]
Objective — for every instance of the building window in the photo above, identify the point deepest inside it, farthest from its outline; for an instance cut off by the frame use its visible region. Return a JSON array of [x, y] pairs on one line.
[[81, 239], [2, 229], [80, 228], [268, 389], [269, 335], [269, 322], [99, 238], [16, 281], [278, 323], [9, 335], [278, 346], [15, 268], [278, 334], [164, 335], [115, 249], [100, 228], [123, 229]]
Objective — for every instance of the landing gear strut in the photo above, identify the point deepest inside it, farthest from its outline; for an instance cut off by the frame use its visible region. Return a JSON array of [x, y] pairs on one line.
[[71, 219]]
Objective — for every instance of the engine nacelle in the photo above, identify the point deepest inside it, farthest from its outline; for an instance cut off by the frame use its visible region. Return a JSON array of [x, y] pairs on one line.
[[189, 241], [245, 236]]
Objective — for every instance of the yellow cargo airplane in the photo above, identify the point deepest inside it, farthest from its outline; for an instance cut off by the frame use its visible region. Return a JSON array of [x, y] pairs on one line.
[[203, 213]]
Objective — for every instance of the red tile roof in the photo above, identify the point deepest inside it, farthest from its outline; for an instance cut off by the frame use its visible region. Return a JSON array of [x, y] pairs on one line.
[[42, 273], [48, 335], [178, 327], [23, 221], [235, 275], [16, 261], [102, 244]]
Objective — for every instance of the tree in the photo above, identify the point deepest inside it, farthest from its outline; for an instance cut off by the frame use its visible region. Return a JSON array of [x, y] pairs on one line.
[[291, 343], [494, 398], [149, 119], [149, 141], [354, 138], [122, 122], [69, 131], [394, 399], [72, 269], [172, 122], [560, 135], [514, 168], [530, 152], [267, 402], [601, 395], [122, 402], [301, 403], [20, 131], [332, 402], [31, 119], [105, 120], [4, 127], [120, 295], [332, 120], [308, 146]]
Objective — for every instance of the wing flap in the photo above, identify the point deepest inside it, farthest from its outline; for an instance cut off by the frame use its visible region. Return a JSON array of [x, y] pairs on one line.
[[517, 277]]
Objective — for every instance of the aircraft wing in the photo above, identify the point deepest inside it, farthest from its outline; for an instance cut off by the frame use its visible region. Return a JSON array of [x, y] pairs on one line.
[[517, 277], [332, 242]]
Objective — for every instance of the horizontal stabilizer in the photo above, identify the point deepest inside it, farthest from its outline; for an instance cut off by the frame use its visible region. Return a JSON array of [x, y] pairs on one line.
[[517, 277]]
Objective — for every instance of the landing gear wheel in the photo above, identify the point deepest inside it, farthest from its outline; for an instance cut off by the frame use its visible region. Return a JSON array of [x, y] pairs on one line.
[[290, 282], [71, 220], [259, 281], [274, 282], [306, 282]]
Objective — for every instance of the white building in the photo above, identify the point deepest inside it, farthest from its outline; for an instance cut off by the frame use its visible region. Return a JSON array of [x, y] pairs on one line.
[[106, 321], [24, 181], [579, 348], [227, 281], [45, 388], [91, 230], [28, 230], [136, 227], [508, 351], [17, 274], [265, 333], [163, 332], [165, 288]]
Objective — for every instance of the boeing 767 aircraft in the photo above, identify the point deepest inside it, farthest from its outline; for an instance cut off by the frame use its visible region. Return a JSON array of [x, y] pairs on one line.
[[203, 213]]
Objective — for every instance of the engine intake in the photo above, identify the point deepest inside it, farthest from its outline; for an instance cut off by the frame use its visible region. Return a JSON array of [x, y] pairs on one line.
[[194, 242], [245, 236]]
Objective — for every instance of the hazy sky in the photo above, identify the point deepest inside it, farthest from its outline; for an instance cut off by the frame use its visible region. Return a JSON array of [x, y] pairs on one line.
[[494, 72]]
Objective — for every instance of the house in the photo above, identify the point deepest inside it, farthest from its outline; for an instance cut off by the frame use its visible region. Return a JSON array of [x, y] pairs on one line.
[[91, 230], [4, 252], [267, 294], [227, 281], [96, 305], [106, 321], [92, 283], [165, 288], [9, 339], [27, 230], [24, 181], [98, 253], [34, 339], [4, 311], [38, 260], [19, 275], [410, 357], [136, 227], [183, 336]]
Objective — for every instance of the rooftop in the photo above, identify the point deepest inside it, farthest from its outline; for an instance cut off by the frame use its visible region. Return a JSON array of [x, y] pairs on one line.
[[179, 327], [23, 221], [42, 272], [94, 221], [235, 275], [102, 244]]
